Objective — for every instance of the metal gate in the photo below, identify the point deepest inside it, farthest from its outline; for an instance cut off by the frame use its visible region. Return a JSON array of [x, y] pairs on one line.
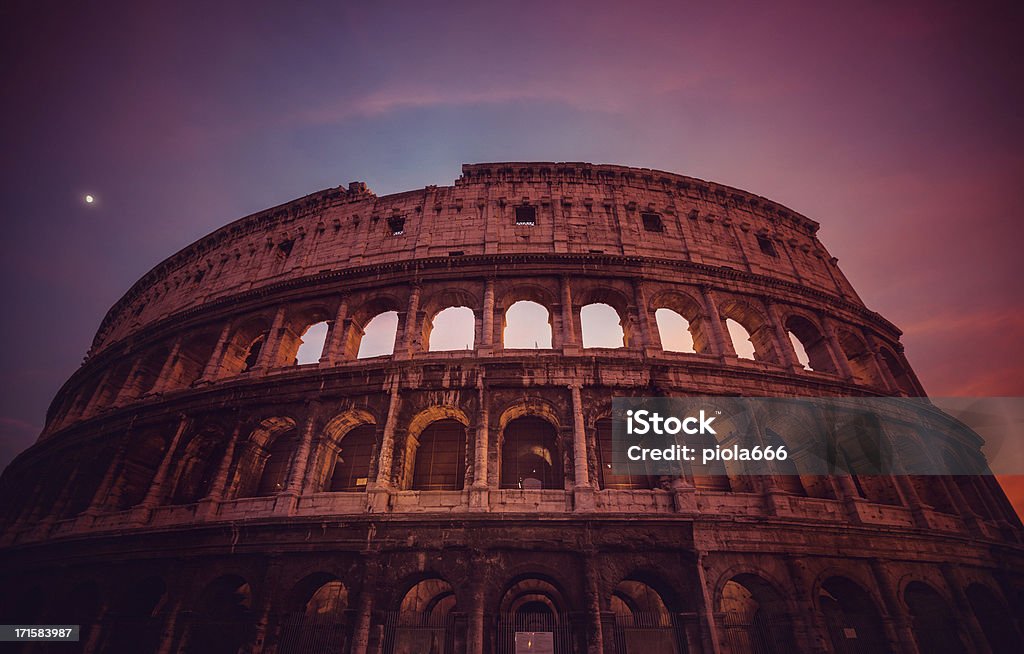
[[419, 633], [558, 626], [649, 633], [313, 634], [761, 635]]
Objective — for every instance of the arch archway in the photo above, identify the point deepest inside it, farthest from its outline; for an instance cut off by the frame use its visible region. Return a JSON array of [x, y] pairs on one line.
[[931, 620], [527, 326], [133, 624], [755, 617], [439, 460], [530, 456], [852, 618], [222, 621], [315, 617], [602, 326], [424, 619]]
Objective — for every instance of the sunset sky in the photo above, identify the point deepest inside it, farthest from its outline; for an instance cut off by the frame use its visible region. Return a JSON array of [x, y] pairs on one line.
[[897, 126]]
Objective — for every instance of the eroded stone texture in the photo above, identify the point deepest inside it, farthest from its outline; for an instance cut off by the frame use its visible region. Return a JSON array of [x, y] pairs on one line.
[[194, 490]]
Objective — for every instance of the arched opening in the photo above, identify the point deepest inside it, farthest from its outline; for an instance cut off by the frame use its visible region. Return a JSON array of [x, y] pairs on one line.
[[811, 349], [533, 605], [452, 328], [424, 621], [899, 373], [315, 618], [932, 622], [530, 457], [675, 331], [861, 359], [440, 462], [854, 624], [788, 474], [995, 619], [351, 470], [252, 353], [274, 476], [607, 478], [265, 459], [223, 621], [378, 337], [527, 326], [86, 480], [112, 385], [864, 453], [197, 468], [741, 342], [143, 457], [80, 606], [133, 624], [193, 357], [601, 326], [643, 622], [754, 617], [312, 343]]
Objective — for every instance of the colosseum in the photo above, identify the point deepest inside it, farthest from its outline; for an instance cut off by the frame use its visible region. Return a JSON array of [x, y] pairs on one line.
[[363, 424]]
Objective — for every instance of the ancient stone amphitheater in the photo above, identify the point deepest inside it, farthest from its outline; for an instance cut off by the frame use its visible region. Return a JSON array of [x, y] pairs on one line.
[[268, 450]]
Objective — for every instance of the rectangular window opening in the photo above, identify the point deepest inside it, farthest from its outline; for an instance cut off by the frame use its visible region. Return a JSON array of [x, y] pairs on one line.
[[397, 225], [652, 222], [766, 246], [526, 215]]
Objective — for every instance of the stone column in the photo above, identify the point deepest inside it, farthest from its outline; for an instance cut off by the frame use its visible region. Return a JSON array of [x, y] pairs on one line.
[[569, 338], [977, 640], [581, 475], [592, 595], [706, 609], [475, 628], [787, 356], [268, 354], [335, 344], [128, 391], [721, 346], [649, 334], [163, 380], [212, 369], [487, 329], [809, 618], [478, 492], [220, 481], [378, 495], [838, 354], [364, 606], [894, 607], [411, 324], [99, 498], [297, 474], [158, 490]]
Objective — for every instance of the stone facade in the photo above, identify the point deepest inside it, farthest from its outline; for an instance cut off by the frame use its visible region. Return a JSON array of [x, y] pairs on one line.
[[195, 489]]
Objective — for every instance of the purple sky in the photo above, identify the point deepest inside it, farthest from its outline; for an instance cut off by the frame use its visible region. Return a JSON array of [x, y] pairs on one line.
[[896, 125]]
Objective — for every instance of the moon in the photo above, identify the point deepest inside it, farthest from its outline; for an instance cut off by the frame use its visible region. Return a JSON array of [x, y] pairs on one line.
[[89, 199]]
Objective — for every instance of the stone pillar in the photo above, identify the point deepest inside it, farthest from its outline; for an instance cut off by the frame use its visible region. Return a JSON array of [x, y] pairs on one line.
[[977, 641], [901, 619], [262, 606], [809, 626], [592, 595], [158, 490], [487, 329], [787, 355], [475, 629], [581, 475], [163, 380], [212, 369], [838, 354], [379, 493], [334, 348], [170, 627], [297, 474], [649, 333], [721, 346], [268, 354], [220, 480], [364, 606], [709, 632], [569, 338], [411, 325], [128, 391], [99, 498], [478, 491]]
